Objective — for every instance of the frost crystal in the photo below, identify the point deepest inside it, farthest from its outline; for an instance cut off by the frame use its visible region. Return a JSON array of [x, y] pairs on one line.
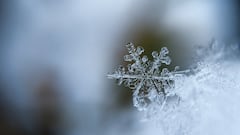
[[150, 83], [186, 105]]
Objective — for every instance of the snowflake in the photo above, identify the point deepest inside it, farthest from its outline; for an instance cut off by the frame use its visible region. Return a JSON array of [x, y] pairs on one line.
[[150, 83]]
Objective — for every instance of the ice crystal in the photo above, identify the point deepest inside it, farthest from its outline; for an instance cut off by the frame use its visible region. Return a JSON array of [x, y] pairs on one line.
[[186, 104], [149, 81]]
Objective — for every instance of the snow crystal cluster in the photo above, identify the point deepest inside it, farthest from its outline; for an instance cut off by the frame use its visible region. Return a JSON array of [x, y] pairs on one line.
[[203, 100]]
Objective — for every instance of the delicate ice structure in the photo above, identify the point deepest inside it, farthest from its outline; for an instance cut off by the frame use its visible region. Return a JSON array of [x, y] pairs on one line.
[[149, 82], [204, 101]]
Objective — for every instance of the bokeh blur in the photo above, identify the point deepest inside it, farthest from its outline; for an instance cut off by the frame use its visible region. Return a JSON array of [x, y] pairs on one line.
[[55, 55]]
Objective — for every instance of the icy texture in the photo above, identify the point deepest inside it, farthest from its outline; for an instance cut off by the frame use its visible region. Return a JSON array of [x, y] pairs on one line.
[[204, 102], [150, 83]]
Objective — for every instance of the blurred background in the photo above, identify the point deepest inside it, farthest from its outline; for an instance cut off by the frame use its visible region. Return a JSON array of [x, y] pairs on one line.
[[55, 55]]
